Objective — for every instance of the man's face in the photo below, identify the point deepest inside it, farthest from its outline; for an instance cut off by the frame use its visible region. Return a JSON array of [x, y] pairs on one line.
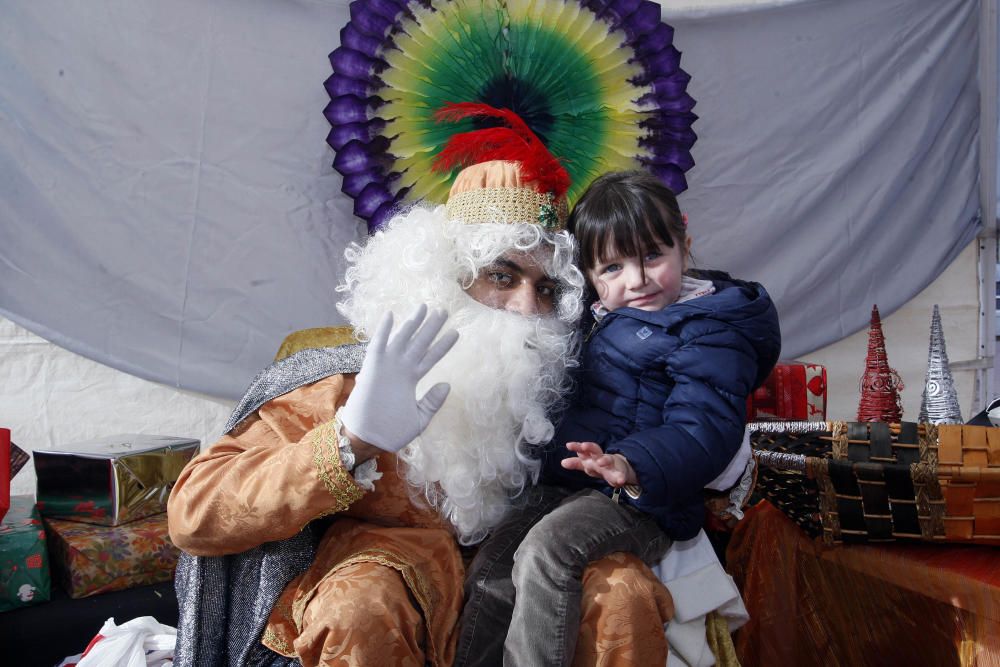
[[517, 283]]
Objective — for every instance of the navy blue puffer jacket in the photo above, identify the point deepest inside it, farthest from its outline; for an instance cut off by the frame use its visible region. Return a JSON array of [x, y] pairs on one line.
[[668, 390]]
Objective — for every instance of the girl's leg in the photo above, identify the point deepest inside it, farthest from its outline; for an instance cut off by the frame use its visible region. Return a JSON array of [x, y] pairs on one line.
[[549, 565]]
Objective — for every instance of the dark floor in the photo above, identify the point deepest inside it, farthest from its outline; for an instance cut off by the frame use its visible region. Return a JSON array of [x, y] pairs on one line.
[[43, 634]]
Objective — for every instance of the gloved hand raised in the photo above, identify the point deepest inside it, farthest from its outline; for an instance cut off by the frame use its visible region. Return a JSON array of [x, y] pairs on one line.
[[383, 409]]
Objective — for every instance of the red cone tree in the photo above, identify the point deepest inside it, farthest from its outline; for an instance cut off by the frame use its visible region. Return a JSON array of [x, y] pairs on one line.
[[880, 385]]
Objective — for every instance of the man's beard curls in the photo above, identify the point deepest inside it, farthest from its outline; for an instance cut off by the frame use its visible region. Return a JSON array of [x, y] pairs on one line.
[[506, 372]]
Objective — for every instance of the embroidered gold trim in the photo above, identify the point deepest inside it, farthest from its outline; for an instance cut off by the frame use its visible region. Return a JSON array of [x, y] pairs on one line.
[[830, 520], [928, 445], [271, 640], [838, 433], [929, 498], [504, 205], [326, 458], [411, 576], [283, 609]]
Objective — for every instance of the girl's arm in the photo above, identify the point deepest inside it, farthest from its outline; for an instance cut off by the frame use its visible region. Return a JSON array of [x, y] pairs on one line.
[[703, 419]]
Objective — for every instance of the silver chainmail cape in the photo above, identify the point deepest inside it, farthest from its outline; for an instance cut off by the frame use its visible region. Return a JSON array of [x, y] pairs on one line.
[[225, 601]]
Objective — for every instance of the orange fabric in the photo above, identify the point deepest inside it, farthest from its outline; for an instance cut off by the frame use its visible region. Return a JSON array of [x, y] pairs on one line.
[[276, 472], [425, 559], [386, 586], [905, 604], [279, 470], [345, 624], [624, 610], [490, 174]]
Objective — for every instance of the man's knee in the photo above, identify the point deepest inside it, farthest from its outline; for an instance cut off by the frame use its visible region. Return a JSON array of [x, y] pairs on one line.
[[622, 579], [364, 611], [621, 593]]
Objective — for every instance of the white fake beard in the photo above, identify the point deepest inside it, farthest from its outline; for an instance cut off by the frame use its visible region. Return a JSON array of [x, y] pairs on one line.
[[507, 372]]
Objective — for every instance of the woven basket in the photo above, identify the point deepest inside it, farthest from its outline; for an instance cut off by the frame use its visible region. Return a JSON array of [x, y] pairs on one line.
[[874, 482]]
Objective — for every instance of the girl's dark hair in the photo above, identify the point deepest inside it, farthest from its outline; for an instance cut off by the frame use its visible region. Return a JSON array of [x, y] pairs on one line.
[[625, 213]]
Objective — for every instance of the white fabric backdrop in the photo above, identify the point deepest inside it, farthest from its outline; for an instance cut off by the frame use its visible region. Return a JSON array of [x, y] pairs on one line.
[[167, 205], [50, 396]]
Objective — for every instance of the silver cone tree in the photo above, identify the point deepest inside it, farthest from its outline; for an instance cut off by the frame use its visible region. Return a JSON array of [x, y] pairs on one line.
[[939, 404]]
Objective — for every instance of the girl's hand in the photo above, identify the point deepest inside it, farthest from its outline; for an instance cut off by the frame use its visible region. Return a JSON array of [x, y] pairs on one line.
[[591, 459]]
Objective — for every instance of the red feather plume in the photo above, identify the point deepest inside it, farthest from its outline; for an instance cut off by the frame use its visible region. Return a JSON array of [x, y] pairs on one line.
[[515, 143]]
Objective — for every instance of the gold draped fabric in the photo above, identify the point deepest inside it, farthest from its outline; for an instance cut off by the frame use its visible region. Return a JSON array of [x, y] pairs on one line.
[[279, 470], [623, 612], [860, 605]]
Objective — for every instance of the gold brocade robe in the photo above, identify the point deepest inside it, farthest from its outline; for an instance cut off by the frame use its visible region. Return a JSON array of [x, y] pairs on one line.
[[280, 468]]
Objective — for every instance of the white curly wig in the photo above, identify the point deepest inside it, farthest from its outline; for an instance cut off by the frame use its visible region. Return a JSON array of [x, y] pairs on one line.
[[507, 372]]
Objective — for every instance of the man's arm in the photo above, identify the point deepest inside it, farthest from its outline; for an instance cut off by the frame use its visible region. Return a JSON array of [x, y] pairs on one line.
[[267, 479]]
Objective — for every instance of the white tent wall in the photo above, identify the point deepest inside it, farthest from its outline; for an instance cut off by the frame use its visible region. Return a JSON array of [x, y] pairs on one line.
[[965, 292], [907, 335], [50, 396]]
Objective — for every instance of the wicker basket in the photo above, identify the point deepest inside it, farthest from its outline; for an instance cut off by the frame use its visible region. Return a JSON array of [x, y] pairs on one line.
[[876, 482]]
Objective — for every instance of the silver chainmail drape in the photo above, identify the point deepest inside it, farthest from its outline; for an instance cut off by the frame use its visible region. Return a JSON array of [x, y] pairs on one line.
[[225, 601]]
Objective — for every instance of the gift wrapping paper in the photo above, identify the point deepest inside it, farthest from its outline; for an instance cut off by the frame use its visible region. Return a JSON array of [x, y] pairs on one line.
[[88, 559], [112, 480], [24, 558], [5, 471], [794, 390]]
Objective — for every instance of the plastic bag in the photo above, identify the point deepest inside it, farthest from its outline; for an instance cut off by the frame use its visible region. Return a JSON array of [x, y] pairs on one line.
[[141, 642]]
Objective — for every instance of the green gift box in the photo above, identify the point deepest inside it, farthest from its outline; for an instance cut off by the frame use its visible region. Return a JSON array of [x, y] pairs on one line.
[[24, 558]]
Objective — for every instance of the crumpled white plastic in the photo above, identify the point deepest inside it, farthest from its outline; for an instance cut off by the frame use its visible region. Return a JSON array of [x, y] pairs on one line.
[[141, 642], [993, 411]]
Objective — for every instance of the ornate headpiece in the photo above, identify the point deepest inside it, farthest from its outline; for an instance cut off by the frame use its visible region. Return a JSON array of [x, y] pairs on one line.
[[508, 175]]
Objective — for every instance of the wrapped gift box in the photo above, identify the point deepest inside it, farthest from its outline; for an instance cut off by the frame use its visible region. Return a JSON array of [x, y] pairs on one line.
[[12, 459], [89, 559], [794, 391], [110, 481], [18, 457], [6, 472], [24, 558]]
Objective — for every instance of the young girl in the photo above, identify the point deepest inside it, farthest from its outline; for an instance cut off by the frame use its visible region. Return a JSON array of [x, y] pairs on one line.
[[669, 358]]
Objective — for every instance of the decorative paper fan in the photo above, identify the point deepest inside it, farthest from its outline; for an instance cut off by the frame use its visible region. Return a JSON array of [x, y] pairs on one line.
[[598, 81]]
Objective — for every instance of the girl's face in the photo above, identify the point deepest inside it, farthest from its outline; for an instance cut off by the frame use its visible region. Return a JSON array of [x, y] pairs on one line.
[[650, 284]]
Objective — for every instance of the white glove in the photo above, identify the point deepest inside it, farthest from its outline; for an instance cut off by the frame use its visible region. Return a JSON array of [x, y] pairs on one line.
[[382, 409]]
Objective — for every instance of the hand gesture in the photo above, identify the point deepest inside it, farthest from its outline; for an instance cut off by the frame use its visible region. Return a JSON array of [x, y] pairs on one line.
[[383, 409], [591, 459]]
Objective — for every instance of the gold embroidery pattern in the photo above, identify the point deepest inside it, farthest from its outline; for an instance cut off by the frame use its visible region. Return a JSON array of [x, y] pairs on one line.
[[414, 581], [271, 640], [504, 205], [326, 457]]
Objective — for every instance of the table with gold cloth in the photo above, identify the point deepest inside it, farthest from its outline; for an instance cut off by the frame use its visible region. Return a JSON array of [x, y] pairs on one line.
[[892, 604]]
